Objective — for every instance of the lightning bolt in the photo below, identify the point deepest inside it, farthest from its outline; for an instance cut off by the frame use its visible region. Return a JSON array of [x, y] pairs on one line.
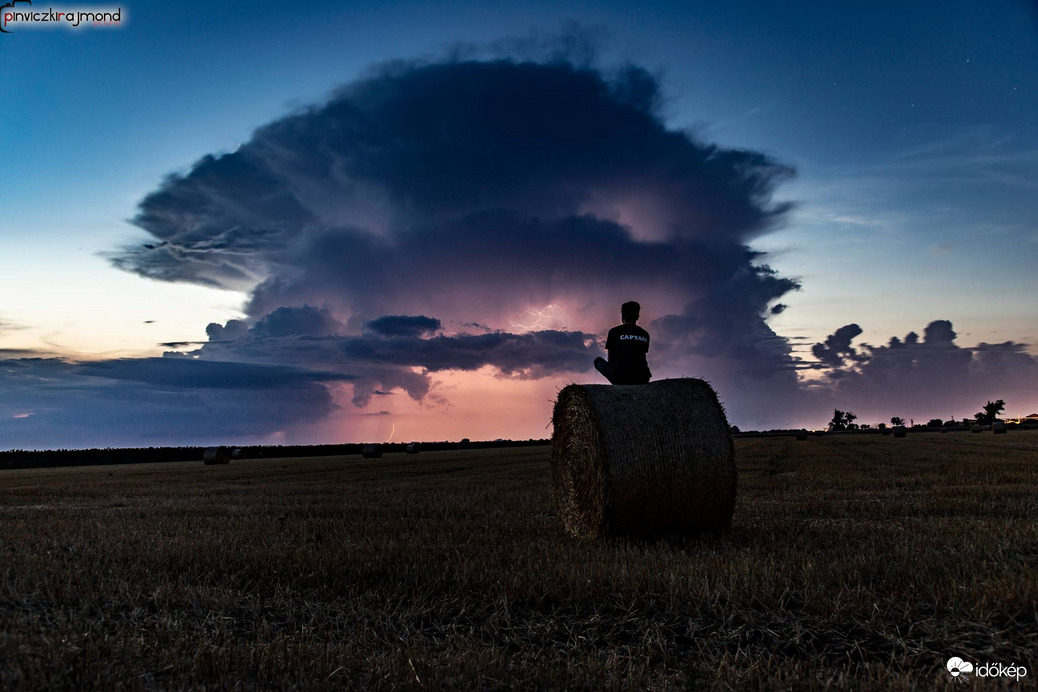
[[549, 317], [391, 433]]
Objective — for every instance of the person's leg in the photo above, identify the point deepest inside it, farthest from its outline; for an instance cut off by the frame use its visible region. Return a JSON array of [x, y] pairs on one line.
[[602, 365]]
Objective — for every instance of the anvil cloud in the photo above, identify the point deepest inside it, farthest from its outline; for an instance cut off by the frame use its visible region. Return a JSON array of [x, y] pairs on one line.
[[411, 229], [463, 193]]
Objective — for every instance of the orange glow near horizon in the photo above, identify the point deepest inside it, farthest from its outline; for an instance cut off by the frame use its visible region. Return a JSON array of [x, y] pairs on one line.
[[479, 405]]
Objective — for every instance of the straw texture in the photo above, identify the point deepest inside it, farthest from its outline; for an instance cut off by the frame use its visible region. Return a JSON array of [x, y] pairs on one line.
[[643, 459]]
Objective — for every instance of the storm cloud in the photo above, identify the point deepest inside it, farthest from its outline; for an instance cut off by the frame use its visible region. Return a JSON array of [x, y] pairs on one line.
[[50, 402], [397, 351], [470, 192], [431, 225], [931, 377]]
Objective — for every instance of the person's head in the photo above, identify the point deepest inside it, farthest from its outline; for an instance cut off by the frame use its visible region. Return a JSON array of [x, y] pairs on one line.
[[630, 311]]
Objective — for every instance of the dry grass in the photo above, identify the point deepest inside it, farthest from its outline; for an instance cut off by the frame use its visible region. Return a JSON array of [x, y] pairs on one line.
[[857, 562]]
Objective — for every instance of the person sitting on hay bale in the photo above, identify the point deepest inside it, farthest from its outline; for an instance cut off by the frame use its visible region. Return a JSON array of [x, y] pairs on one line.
[[626, 345]]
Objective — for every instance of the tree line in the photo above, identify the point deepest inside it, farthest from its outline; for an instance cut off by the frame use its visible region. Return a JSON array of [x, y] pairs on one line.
[[844, 420]]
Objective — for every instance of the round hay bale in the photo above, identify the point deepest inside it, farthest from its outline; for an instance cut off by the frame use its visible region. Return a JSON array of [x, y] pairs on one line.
[[643, 459], [216, 455], [801, 435], [372, 452], [900, 431], [885, 431], [412, 448], [998, 427], [976, 428], [238, 453]]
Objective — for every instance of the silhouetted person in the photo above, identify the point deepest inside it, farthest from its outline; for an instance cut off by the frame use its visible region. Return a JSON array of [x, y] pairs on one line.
[[626, 345]]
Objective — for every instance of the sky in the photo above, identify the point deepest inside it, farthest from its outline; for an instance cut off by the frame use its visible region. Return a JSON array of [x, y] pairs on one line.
[[370, 221]]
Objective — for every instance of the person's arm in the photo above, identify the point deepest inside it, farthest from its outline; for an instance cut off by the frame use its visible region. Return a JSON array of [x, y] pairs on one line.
[[611, 346]]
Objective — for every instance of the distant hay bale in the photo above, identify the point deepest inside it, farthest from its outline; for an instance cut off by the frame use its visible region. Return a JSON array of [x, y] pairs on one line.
[[238, 453], [900, 431], [998, 427], [801, 435], [372, 452], [885, 431], [642, 459], [976, 428], [216, 455], [412, 448]]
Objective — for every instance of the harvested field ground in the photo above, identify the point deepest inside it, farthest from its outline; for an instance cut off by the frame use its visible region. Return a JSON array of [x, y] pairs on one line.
[[854, 561]]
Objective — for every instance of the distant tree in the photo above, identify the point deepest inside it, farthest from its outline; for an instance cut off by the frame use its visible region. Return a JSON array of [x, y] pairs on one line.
[[735, 429], [990, 412], [897, 420], [882, 426], [865, 426], [935, 423], [841, 420]]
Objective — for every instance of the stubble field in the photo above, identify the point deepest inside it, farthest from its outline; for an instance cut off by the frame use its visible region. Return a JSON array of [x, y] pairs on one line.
[[854, 561]]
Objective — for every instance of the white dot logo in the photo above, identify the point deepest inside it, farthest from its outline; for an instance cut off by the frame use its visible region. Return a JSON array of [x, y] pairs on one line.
[[957, 667]]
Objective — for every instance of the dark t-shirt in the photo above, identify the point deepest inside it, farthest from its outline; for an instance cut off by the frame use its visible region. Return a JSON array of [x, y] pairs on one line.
[[627, 346]]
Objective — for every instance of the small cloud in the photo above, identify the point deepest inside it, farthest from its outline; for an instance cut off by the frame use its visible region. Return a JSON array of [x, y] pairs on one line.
[[404, 325], [304, 320], [837, 346], [226, 332], [6, 326]]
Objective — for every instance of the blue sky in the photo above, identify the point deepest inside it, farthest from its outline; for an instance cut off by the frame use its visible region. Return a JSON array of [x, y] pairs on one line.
[[910, 129]]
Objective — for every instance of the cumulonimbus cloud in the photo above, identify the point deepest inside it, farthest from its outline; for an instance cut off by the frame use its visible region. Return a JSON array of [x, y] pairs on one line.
[[418, 221], [469, 191]]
